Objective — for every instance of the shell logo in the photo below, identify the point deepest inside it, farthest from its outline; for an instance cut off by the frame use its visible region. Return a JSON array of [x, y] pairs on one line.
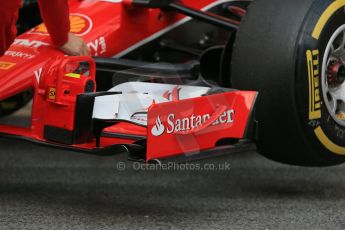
[[80, 25]]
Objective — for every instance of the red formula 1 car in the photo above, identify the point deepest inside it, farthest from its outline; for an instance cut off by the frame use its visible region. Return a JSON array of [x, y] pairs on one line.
[[162, 83]]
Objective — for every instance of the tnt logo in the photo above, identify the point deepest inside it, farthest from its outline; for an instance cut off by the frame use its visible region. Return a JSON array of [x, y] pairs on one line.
[[80, 25], [159, 128]]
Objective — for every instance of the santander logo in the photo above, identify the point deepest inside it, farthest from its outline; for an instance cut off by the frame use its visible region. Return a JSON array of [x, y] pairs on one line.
[[159, 128], [175, 124]]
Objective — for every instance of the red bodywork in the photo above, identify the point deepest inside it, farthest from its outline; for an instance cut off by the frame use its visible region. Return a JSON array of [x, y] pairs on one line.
[[112, 29]]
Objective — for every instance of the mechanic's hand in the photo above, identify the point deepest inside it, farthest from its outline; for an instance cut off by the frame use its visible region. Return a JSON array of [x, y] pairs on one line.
[[75, 46]]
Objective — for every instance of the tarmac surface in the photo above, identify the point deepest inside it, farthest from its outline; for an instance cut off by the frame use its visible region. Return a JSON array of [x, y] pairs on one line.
[[46, 188]]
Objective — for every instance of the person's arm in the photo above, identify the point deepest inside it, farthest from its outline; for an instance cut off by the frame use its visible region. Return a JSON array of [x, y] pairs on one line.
[[8, 20], [55, 14]]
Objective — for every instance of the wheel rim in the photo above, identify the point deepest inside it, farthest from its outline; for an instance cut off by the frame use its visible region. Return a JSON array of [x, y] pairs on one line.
[[333, 76]]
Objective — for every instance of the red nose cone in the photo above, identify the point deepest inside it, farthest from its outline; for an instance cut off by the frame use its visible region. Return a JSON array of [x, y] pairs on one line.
[[21, 66]]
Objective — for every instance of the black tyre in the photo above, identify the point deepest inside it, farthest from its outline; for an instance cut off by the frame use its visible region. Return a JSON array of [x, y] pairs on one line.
[[293, 53], [14, 103]]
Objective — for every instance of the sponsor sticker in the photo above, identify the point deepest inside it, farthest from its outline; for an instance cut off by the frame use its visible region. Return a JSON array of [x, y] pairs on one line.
[[80, 25], [72, 75], [175, 124], [52, 93], [314, 84], [98, 46], [29, 43], [159, 128], [19, 54], [6, 65]]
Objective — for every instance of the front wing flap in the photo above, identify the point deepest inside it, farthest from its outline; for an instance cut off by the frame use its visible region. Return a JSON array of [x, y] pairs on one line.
[[191, 126]]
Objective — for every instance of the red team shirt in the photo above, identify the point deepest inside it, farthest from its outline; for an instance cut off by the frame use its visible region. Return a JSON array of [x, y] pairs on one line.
[[55, 14]]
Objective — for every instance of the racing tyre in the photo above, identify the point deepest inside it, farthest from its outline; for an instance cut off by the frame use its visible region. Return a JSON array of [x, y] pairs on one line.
[[15, 103], [293, 53]]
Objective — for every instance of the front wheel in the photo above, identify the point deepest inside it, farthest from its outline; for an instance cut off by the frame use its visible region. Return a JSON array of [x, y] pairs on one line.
[[15, 103], [293, 54]]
